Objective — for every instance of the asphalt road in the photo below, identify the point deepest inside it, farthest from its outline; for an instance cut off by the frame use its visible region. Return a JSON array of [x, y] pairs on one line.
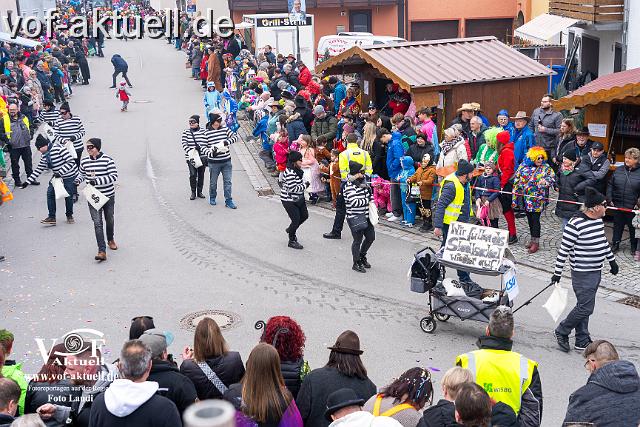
[[178, 256]]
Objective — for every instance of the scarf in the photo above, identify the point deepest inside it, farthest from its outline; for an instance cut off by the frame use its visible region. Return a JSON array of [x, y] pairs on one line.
[[447, 146]]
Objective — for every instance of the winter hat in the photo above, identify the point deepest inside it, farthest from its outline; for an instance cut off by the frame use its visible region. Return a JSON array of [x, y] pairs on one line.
[[503, 137], [97, 142], [41, 141], [64, 106], [195, 117], [490, 164], [48, 103], [355, 167], [571, 155], [318, 109], [593, 197], [503, 113], [294, 156], [347, 129], [464, 168], [287, 95]]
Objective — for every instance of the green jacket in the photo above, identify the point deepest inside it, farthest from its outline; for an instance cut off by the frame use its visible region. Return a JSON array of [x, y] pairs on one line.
[[13, 371]]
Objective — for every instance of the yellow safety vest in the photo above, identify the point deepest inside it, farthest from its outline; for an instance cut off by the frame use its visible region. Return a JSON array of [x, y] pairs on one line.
[[7, 125], [389, 412], [453, 211], [356, 154], [504, 375]]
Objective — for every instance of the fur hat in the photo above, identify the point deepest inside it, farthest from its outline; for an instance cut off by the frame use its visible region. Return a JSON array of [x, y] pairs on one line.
[[593, 197]]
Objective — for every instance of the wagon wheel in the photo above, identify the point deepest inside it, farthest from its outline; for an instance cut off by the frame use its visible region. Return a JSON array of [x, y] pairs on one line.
[[428, 324], [442, 317]]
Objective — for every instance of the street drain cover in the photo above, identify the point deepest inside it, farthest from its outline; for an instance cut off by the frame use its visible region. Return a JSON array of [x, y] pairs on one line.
[[224, 319], [633, 301]]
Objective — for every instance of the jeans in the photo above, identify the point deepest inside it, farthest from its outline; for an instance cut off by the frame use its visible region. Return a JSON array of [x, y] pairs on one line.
[[96, 217], [533, 218], [463, 276], [214, 171], [396, 198], [298, 214], [195, 72], [124, 76], [563, 223], [620, 220], [15, 154], [341, 212], [196, 177], [68, 201], [585, 285], [358, 247]]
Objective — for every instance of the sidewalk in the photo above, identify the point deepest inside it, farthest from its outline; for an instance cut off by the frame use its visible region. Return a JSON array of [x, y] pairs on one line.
[[625, 284]]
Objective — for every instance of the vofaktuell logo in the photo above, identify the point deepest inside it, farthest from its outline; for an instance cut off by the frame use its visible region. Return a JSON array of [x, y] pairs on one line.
[[74, 342]]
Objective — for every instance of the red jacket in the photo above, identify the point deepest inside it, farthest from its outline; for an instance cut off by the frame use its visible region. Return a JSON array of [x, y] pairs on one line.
[[506, 163], [304, 77]]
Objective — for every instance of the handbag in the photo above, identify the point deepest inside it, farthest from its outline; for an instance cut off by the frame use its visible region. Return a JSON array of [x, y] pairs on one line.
[[413, 195], [195, 159], [373, 213], [213, 377], [357, 223], [58, 188], [95, 197]]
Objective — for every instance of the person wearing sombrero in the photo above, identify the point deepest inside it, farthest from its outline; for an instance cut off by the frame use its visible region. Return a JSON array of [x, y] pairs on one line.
[[343, 370], [523, 137]]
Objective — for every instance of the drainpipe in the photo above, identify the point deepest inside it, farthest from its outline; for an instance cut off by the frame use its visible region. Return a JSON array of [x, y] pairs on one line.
[[625, 33], [402, 10]]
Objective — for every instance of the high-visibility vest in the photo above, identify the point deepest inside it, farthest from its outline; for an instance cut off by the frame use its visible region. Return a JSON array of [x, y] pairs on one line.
[[7, 125], [504, 375], [356, 154], [389, 412], [454, 209]]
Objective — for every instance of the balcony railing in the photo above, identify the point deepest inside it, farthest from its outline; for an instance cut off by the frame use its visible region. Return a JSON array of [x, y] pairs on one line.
[[281, 5], [593, 11]]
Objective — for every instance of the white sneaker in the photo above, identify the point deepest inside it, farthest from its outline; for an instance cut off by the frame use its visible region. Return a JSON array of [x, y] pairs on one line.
[[408, 225], [395, 218], [389, 214], [491, 298]]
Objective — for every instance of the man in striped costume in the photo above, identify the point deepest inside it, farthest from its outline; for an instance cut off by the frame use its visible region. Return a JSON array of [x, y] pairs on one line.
[[586, 246], [219, 140], [58, 159], [99, 170], [49, 114], [70, 128], [195, 138]]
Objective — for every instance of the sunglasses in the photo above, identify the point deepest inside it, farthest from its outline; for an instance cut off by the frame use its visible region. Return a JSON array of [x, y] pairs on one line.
[[90, 147], [63, 112], [193, 122], [540, 158]]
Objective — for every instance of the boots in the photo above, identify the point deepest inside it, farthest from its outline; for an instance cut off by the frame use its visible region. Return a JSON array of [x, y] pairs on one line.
[[193, 195], [357, 266], [535, 245], [363, 261], [615, 247]]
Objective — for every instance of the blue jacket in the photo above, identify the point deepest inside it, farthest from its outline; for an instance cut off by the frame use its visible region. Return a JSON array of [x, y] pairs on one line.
[[339, 93], [408, 170], [261, 131], [56, 76], [491, 182], [295, 128], [395, 153], [119, 64], [523, 139]]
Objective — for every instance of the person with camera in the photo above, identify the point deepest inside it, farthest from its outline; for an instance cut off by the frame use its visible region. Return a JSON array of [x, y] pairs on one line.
[[292, 196], [357, 196], [195, 138]]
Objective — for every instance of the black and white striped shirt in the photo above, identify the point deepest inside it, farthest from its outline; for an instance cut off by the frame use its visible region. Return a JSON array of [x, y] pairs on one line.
[[190, 138], [218, 144], [102, 170], [51, 117], [72, 129], [585, 243], [58, 160], [292, 186], [356, 199]]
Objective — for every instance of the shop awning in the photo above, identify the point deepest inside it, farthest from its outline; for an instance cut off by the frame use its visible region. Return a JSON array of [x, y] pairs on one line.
[[612, 87], [544, 28]]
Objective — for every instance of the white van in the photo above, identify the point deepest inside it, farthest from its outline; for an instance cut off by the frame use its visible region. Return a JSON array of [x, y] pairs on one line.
[[336, 44]]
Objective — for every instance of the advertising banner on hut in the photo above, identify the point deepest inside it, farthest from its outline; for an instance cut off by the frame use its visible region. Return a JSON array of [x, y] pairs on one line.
[[475, 246]]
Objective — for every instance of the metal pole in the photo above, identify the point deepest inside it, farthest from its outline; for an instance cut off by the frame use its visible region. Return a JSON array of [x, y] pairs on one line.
[[298, 41]]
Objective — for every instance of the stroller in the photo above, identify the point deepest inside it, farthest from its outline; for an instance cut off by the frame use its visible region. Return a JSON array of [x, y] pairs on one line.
[[427, 275]]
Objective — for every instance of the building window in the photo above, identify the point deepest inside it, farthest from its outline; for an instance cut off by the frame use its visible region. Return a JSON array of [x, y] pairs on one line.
[[360, 21]]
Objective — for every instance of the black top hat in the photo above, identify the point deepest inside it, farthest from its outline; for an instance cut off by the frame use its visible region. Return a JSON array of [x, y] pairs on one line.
[[341, 399]]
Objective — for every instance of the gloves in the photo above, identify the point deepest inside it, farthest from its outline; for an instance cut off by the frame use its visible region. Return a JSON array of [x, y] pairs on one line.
[[24, 185], [555, 278], [56, 175], [307, 184], [91, 181], [614, 267]]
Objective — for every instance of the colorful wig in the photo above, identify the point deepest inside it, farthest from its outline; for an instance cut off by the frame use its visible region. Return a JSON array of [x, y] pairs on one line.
[[535, 152], [286, 336]]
